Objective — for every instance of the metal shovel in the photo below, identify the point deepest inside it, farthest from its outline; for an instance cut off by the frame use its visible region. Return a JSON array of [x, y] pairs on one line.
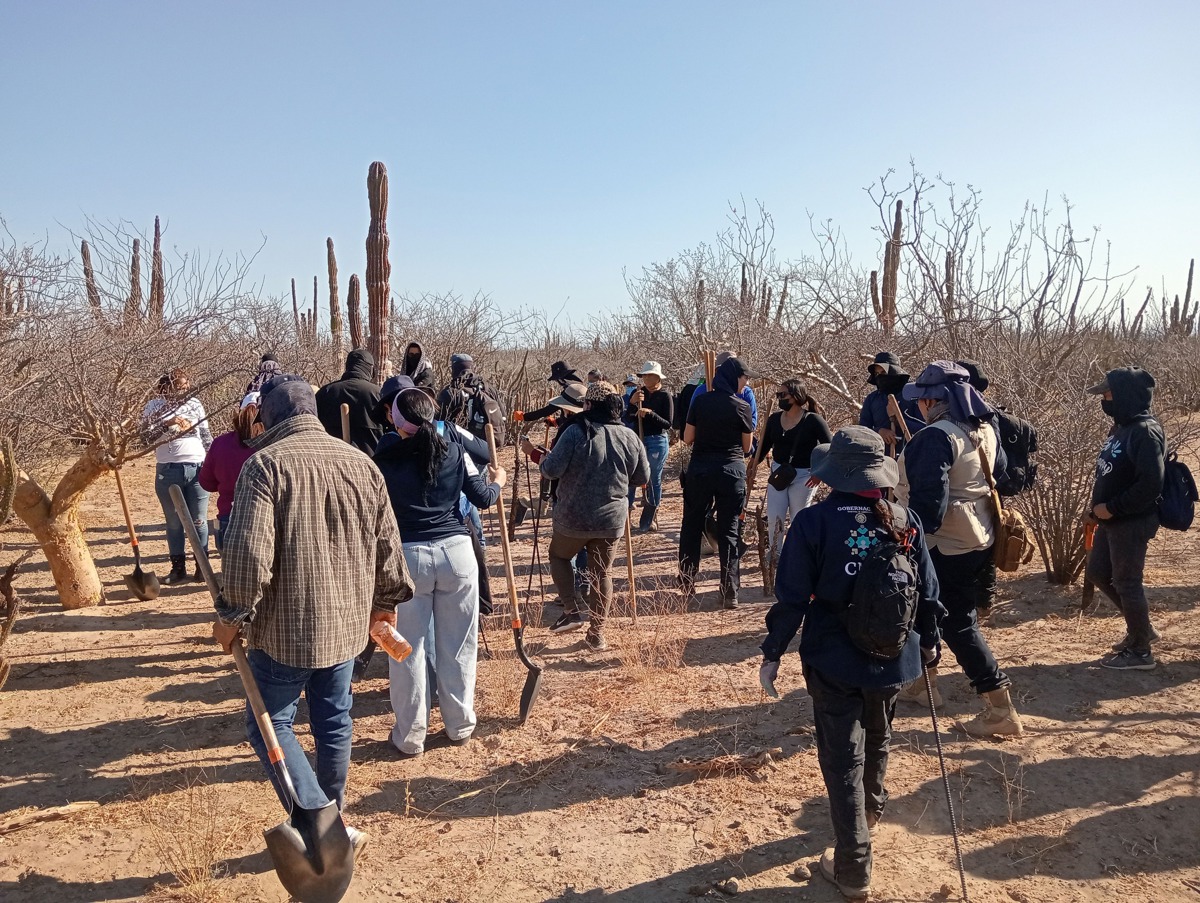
[[311, 851], [141, 583]]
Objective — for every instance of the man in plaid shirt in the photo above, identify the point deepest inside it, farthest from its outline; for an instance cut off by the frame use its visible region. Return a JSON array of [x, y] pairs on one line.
[[311, 560]]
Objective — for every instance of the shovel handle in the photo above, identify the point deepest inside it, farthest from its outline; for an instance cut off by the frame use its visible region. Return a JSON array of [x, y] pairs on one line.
[[345, 411], [125, 509], [509, 576], [629, 565], [261, 716]]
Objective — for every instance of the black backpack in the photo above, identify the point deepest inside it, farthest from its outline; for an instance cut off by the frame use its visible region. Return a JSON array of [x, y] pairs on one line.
[[473, 406], [883, 604], [1177, 505], [683, 401], [1019, 440]]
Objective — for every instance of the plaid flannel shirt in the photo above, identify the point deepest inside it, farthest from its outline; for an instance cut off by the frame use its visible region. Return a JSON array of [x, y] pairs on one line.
[[311, 547]]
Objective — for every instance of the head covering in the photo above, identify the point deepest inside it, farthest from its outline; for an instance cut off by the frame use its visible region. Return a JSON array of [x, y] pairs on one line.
[[892, 378], [855, 461], [460, 364], [571, 397], [600, 390], [269, 356], [630, 379], [594, 375], [723, 357], [562, 374], [290, 398], [1132, 393], [360, 364], [976, 375], [392, 387], [278, 380], [399, 421], [946, 381], [251, 398], [651, 368]]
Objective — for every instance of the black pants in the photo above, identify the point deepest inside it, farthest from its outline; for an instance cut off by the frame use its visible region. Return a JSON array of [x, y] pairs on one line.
[[965, 580], [726, 490], [853, 728], [1117, 565]]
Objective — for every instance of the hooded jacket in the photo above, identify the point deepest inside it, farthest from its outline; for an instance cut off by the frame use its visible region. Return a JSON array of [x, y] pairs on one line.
[[1129, 469], [874, 413], [721, 417], [359, 391], [419, 371]]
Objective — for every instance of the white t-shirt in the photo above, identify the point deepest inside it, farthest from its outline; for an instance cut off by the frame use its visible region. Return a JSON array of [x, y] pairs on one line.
[[184, 448]]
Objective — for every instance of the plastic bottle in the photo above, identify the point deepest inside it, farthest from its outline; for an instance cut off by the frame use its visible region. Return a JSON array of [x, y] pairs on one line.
[[391, 641]]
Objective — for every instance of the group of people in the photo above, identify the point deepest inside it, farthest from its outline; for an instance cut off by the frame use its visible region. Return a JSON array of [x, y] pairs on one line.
[[327, 528]]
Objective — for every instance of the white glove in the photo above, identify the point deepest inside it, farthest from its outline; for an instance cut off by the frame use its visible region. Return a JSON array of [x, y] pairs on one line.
[[766, 676]]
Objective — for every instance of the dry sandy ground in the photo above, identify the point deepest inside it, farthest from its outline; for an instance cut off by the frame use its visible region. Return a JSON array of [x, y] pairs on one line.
[[130, 704]]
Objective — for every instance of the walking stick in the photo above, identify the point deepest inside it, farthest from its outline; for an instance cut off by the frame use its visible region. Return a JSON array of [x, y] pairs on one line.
[[533, 681], [345, 422], [937, 738], [629, 566], [1089, 588]]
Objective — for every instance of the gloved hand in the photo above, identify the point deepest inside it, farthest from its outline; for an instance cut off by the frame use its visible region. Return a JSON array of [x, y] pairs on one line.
[[518, 416], [766, 676]]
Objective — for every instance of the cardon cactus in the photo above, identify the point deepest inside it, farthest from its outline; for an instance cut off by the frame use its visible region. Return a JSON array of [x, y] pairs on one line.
[[354, 312], [313, 324], [296, 313], [154, 310], [379, 271], [335, 310], [133, 304], [89, 281], [8, 479]]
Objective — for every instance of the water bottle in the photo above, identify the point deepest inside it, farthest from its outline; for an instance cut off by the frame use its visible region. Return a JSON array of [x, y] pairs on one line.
[[391, 641]]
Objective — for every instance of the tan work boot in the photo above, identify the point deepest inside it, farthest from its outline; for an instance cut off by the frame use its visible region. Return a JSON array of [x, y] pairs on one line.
[[999, 717], [915, 691]]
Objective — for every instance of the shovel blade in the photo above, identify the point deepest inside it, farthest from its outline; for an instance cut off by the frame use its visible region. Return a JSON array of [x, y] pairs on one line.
[[529, 693], [142, 584], [312, 854]]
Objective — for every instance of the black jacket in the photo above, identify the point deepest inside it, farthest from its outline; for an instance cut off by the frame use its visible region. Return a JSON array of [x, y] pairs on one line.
[[660, 411], [1129, 470], [419, 371], [356, 389]]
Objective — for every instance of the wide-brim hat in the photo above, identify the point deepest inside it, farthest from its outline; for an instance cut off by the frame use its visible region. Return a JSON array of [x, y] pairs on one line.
[[651, 368], [631, 380], [570, 398], [933, 380], [855, 461]]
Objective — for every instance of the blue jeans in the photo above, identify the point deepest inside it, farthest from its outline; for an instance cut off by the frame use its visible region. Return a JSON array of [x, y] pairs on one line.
[[222, 526], [327, 692], [444, 612], [470, 513], [656, 453], [185, 477]]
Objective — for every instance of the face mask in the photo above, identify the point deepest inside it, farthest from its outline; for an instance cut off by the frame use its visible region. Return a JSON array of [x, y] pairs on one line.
[[1108, 406], [873, 379], [785, 404]]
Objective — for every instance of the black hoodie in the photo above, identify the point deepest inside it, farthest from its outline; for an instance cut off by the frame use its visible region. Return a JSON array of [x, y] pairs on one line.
[[1129, 470], [358, 390], [419, 371], [721, 418]]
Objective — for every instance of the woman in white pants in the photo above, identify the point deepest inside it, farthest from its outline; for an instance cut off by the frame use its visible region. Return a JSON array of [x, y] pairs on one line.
[[792, 433]]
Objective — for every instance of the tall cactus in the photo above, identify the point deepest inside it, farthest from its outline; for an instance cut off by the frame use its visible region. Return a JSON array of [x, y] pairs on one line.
[[886, 310], [354, 313], [379, 271], [335, 310], [313, 322], [6, 297], [89, 281], [296, 313], [158, 289], [133, 303], [8, 479]]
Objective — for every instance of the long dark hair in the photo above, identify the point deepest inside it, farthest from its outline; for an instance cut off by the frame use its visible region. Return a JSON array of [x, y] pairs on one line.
[[246, 424], [798, 391], [884, 512], [429, 448], [169, 382]]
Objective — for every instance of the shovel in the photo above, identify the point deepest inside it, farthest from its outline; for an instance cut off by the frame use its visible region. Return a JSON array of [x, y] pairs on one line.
[[533, 681], [142, 584], [1089, 589], [345, 412], [311, 851]]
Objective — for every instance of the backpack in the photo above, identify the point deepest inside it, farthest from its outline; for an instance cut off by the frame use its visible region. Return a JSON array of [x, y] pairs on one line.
[[1019, 440], [883, 604], [473, 406], [683, 401], [1177, 504]]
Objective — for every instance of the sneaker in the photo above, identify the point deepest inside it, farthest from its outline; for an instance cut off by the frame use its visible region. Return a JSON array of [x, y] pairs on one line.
[[1155, 636], [873, 820], [595, 641], [358, 841], [568, 621], [1128, 660], [829, 873], [460, 741], [729, 602]]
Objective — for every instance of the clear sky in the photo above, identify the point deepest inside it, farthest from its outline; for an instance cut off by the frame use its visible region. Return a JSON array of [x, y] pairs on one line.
[[538, 149]]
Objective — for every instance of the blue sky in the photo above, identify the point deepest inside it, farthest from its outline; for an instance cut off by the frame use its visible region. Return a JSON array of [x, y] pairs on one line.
[[537, 150]]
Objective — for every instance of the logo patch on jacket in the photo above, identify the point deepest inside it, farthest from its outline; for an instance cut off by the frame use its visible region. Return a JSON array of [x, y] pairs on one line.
[[861, 540]]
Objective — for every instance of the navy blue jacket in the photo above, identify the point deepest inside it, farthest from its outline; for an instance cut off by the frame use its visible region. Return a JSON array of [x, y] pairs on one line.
[[874, 415], [819, 562], [427, 512], [927, 462]]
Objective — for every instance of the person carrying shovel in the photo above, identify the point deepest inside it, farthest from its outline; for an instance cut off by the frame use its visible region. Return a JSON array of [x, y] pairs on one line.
[[311, 559]]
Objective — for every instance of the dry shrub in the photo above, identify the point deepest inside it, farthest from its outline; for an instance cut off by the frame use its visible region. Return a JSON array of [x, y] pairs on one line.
[[656, 643], [193, 829]]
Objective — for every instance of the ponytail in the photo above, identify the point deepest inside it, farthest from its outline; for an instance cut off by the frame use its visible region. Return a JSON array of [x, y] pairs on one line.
[[883, 511]]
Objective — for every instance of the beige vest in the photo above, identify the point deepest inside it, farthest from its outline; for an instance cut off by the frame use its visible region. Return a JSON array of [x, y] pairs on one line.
[[969, 524]]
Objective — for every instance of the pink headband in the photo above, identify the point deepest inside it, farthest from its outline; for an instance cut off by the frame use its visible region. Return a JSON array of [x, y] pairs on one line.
[[398, 421]]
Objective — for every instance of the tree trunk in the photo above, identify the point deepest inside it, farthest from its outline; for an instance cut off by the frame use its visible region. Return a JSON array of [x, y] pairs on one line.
[[54, 523]]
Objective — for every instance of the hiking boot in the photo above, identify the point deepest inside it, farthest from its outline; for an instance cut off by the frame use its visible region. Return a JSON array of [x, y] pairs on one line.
[[358, 841], [829, 873], [1129, 660], [999, 717], [915, 691], [594, 640], [686, 585], [178, 571], [1155, 636], [198, 576], [729, 602], [568, 621]]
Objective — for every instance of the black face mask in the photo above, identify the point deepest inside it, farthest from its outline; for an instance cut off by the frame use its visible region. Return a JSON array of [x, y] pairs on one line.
[[1109, 407], [785, 404], [873, 379]]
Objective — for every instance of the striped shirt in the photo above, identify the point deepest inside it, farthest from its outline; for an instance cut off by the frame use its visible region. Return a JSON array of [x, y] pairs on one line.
[[311, 547]]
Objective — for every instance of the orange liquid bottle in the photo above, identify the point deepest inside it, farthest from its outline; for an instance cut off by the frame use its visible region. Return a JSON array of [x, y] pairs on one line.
[[391, 641]]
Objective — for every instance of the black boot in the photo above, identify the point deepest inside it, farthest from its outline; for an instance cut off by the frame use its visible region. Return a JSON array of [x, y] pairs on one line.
[[198, 577], [178, 571]]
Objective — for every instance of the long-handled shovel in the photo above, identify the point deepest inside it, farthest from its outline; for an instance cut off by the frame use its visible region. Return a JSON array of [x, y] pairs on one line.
[[629, 566], [142, 584], [1088, 602], [311, 851], [533, 681], [345, 411]]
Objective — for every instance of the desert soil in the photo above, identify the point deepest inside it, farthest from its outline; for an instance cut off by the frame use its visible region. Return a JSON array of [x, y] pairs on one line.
[[131, 704]]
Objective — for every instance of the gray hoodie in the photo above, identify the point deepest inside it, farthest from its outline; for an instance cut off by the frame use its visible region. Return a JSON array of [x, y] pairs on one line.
[[595, 464]]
